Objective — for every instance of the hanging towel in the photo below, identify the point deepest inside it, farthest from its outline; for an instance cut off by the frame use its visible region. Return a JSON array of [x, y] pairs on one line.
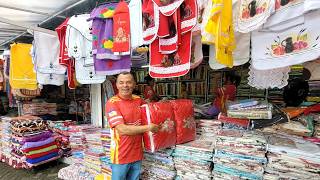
[[168, 7], [271, 78], [105, 62], [170, 65], [135, 8], [64, 59], [121, 29], [311, 5], [46, 53], [47, 75], [285, 10], [220, 25], [83, 27], [241, 54], [21, 73], [196, 51], [252, 14], [79, 47], [150, 14], [275, 49], [207, 37]]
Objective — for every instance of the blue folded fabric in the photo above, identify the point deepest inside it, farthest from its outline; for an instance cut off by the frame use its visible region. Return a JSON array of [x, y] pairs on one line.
[[236, 172], [220, 153], [43, 158]]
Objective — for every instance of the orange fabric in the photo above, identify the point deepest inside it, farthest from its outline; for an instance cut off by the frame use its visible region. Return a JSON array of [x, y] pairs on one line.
[[124, 149]]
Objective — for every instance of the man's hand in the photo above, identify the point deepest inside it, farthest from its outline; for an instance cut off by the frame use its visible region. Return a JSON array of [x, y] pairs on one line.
[[154, 128]]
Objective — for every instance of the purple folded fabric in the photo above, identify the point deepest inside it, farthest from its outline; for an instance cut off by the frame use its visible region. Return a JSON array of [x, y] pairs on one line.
[[38, 137], [37, 144]]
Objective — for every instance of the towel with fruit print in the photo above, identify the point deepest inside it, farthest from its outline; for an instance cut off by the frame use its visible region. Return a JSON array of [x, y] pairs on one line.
[[251, 14], [280, 47], [285, 10]]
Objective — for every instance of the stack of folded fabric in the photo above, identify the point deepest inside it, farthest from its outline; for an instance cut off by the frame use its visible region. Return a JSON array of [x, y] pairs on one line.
[[77, 141], [239, 155], [291, 158], [158, 165], [61, 133], [193, 160], [74, 172], [94, 152], [207, 128], [39, 108], [32, 141], [106, 163]]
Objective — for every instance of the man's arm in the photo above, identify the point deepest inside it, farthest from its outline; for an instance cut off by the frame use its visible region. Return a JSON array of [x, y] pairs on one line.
[[131, 130]]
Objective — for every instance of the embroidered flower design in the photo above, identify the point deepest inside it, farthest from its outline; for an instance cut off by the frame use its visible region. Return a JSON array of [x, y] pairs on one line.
[[167, 125], [148, 21], [282, 3], [107, 12], [121, 36], [189, 123], [170, 60], [185, 11], [107, 43]]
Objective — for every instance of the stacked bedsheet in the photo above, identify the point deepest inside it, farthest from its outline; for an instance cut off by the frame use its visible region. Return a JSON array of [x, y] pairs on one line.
[[158, 165], [106, 141], [207, 128], [239, 155], [292, 158], [74, 172], [193, 160]]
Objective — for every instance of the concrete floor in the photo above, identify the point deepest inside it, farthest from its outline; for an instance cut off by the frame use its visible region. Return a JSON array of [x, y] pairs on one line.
[[48, 171]]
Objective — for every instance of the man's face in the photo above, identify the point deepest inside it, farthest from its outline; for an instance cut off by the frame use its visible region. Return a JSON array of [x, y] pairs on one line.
[[125, 85]]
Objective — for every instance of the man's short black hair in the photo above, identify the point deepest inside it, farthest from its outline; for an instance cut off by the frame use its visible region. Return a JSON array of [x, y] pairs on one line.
[[127, 73]]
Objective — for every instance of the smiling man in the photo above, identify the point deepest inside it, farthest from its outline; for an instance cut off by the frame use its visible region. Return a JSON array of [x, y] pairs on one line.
[[124, 117]]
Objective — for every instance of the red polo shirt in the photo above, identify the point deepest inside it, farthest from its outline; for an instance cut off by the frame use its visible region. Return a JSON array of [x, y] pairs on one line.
[[124, 149]]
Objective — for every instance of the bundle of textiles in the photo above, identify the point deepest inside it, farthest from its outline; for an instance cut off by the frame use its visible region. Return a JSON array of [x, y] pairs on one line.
[[61, 133], [106, 141], [193, 160], [291, 158], [74, 172], [239, 155], [7, 147], [39, 109], [94, 153], [32, 142], [207, 128], [158, 165], [78, 142]]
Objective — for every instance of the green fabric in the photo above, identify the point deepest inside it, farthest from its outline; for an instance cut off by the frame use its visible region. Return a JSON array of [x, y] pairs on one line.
[[42, 150]]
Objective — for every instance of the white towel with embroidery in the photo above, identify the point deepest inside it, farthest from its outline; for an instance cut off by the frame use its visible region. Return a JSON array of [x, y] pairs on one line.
[[272, 78], [207, 38], [84, 27], [274, 49], [314, 69], [78, 46], [241, 54], [46, 49], [311, 5], [285, 10], [45, 77], [251, 14], [135, 9]]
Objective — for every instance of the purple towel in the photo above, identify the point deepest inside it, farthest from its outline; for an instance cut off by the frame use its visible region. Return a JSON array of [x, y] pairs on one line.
[[38, 137], [105, 62], [37, 144]]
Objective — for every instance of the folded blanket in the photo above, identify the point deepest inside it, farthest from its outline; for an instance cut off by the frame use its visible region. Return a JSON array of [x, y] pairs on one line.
[[43, 158], [39, 147], [42, 150], [37, 144], [34, 156]]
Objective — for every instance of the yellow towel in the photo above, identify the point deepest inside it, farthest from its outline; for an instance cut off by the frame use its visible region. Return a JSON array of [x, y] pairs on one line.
[[22, 75], [220, 25]]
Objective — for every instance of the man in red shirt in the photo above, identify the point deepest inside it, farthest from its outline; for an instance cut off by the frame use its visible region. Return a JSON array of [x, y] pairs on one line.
[[124, 117]]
